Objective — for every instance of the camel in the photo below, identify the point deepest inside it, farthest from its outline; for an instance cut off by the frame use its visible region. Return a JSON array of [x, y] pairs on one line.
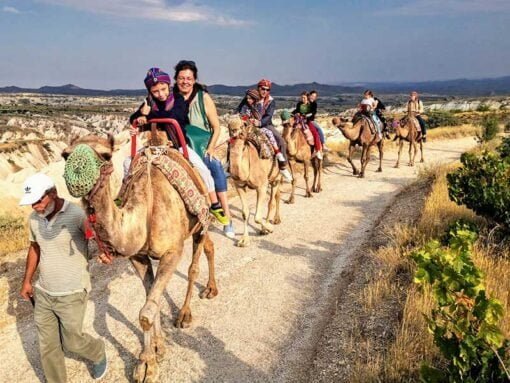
[[152, 223], [298, 150], [249, 171], [407, 130], [359, 133]]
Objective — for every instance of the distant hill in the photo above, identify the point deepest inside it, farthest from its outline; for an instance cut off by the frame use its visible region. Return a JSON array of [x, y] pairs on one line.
[[459, 87]]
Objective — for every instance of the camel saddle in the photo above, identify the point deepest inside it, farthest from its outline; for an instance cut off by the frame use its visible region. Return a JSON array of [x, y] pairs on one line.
[[371, 124], [179, 172], [261, 143], [414, 120]]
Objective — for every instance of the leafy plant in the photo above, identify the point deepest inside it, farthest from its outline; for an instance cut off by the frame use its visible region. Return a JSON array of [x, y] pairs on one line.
[[483, 108], [437, 119], [465, 322], [490, 128], [482, 183]]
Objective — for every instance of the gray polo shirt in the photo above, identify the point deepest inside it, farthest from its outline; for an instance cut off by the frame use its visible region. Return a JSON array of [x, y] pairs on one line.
[[63, 267]]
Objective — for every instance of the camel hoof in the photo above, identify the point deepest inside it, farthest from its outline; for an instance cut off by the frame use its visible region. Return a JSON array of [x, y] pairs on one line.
[[159, 348], [276, 221], [308, 194], [355, 173], [184, 319], [290, 201], [209, 293], [362, 175], [146, 372], [422, 160], [396, 166], [379, 170], [258, 220], [243, 242], [266, 229]]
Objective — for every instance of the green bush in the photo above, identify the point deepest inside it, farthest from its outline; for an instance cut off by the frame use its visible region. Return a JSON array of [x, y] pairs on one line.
[[483, 108], [482, 183], [437, 119], [490, 128], [465, 321]]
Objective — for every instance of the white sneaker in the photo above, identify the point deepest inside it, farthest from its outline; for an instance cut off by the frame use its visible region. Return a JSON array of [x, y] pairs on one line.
[[286, 175], [280, 157], [319, 155]]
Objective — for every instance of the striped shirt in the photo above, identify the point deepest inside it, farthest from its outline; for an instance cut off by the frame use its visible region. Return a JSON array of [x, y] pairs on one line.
[[63, 267]]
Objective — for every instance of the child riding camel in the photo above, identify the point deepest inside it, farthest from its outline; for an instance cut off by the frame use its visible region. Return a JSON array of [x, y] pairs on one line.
[[368, 106], [252, 110], [162, 103], [304, 108]]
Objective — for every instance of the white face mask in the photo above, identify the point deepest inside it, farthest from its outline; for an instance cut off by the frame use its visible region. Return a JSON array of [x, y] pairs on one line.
[[49, 209]]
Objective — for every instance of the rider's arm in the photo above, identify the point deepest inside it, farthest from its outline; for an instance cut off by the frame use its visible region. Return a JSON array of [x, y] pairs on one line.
[[214, 122], [295, 111], [313, 111], [267, 118]]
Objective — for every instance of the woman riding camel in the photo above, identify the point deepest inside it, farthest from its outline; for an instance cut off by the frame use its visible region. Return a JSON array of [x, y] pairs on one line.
[[201, 111], [304, 108], [162, 103], [266, 105], [368, 106], [415, 108]]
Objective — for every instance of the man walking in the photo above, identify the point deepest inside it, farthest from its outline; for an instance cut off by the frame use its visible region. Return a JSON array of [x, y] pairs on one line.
[[58, 246]]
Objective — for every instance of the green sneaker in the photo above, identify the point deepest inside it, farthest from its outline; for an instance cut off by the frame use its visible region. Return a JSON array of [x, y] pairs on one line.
[[219, 214]]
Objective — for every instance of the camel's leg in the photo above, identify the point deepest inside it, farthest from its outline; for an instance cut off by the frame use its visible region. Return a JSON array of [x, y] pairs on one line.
[[274, 204], [293, 189], [421, 151], [412, 146], [410, 153], [265, 226], [400, 146], [317, 169], [211, 289], [306, 171], [277, 219], [365, 156], [167, 265], [380, 145], [245, 239], [147, 369], [352, 147], [158, 341], [184, 318]]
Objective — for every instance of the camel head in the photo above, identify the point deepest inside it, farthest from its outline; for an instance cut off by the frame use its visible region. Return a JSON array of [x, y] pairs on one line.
[[239, 128], [341, 122], [85, 158]]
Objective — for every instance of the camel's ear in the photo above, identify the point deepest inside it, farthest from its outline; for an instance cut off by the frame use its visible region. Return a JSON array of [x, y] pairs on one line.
[[66, 152], [111, 141]]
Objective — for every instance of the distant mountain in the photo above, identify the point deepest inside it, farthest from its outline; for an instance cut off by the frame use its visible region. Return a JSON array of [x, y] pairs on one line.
[[459, 87]]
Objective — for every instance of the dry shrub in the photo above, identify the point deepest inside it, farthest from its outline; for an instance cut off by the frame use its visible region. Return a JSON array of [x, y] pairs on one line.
[[13, 234], [451, 132]]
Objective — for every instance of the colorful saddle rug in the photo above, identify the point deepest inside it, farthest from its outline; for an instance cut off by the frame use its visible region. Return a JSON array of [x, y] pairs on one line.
[[179, 173], [261, 143]]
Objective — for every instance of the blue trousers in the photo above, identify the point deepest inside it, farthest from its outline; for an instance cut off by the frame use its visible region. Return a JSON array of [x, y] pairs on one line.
[[217, 173]]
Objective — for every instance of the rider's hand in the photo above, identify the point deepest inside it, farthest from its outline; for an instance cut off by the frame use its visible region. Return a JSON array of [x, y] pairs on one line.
[[142, 120], [106, 259], [210, 153], [145, 109], [27, 290]]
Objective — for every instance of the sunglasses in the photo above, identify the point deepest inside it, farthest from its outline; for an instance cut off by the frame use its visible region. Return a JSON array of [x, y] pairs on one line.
[[263, 88]]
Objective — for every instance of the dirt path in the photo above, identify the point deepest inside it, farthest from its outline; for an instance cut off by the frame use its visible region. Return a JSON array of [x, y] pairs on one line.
[[274, 298]]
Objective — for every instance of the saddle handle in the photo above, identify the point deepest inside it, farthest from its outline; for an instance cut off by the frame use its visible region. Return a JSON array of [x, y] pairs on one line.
[[171, 121]]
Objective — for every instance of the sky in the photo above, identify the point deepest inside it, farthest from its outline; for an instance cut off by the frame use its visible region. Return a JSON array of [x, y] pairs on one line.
[[110, 44]]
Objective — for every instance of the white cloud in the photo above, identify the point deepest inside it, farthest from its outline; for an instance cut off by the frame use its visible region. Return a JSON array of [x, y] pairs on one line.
[[448, 7], [177, 11], [10, 10]]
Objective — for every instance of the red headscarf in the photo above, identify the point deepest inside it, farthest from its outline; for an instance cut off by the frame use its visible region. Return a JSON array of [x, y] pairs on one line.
[[265, 82]]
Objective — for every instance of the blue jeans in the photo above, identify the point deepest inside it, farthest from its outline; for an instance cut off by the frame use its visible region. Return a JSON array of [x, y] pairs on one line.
[[423, 126], [321, 133], [217, 173]]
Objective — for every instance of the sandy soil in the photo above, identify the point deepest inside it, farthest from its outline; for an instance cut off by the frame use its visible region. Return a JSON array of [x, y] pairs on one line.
[[275, 296]]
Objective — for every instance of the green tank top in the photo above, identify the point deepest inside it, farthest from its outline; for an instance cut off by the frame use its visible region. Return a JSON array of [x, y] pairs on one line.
[[304, 109], [198, 131]]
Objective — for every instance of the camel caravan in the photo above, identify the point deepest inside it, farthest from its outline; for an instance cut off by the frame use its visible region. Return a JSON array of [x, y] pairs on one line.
[[175, 185]]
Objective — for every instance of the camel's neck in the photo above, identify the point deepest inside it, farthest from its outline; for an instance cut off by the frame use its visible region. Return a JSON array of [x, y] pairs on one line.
[[118, 227], [351, 132], [239, 160], [291, 140]]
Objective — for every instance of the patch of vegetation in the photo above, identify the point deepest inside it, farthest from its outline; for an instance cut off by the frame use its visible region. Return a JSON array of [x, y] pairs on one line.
[[483, 108], [437, 119], [482, 183], [13, 234]]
